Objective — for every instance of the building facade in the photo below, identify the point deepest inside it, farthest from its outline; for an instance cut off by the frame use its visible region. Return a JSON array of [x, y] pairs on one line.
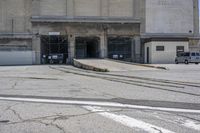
[[144, 31]]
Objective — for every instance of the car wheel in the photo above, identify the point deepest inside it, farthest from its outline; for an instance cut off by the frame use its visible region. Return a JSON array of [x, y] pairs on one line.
[[186, 62], [176, 61], [51, 62]]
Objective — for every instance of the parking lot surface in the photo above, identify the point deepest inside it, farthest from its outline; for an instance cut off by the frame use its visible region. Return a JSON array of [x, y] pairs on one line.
[[65, 99]]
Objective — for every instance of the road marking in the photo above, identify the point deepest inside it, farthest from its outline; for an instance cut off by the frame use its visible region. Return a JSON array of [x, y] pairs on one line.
[[96, 103], [192, 124], [180, 120], [128, 121]]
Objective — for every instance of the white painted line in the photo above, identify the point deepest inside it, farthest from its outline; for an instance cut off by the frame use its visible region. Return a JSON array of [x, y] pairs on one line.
[[96, 103], [179, 120], [128, 121], [192, 124]]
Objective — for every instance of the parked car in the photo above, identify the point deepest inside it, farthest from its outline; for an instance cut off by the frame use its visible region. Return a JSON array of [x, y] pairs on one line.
[[56, 58], [188, 57]]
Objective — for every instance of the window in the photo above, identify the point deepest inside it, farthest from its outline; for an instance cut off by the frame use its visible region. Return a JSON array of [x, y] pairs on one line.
[[197, 54], [187, 54], [179, 49], [160, 48], [193, 54]]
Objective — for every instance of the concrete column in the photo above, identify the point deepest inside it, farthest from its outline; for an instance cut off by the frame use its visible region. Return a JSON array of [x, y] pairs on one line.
[[142, 14], [37, 49], [196, 17], [103, 46], [71, 48], [133, 49], [137, 48], [70, 8]]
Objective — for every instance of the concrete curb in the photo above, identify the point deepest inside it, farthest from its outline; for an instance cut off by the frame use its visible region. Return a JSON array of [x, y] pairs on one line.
[[88, 67], [137, 64]]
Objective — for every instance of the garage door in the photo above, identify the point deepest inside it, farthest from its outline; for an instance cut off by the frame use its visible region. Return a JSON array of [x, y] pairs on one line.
[[17, 57]]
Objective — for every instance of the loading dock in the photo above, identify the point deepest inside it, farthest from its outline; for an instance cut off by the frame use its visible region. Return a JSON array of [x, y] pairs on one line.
[[54, 49], [119, 48], [87, 47]]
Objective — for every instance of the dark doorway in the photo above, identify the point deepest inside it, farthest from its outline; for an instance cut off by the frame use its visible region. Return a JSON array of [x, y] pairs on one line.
[[148, 55], [120, 48], [87, 47], [54, 49]]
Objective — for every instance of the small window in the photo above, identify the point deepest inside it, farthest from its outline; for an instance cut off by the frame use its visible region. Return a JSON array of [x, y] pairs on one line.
[[179, 49], [197, 54], [187, 54], [160, 48], [193, 54]]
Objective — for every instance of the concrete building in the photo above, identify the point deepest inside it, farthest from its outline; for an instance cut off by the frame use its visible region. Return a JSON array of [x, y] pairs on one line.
[[146, 31]]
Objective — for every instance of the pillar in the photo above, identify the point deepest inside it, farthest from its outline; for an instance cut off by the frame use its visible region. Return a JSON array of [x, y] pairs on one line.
[[196, 17], [37, 49], [104, 45], [71, 48], [137, 49]]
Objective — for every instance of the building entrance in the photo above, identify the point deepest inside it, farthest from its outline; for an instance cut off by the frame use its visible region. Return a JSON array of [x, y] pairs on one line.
[[119, 48], [54, 49], [87, 47]]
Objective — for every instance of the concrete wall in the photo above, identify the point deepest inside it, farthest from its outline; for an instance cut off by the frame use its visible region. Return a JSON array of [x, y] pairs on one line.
[[53, 7], [17, 58], [15, 16], [106, 8], [168, 55], [169, 16], [120, 8], [87, 7], [15, 44]]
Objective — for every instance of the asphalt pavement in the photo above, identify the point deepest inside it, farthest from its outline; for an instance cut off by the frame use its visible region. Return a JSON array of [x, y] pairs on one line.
[[65, 99]]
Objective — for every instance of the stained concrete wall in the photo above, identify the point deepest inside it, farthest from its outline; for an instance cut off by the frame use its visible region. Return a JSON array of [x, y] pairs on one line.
[[15, 16], [106, 8], [120, 8], [87, 7], [169, 16], [14, 44], [53, 7]]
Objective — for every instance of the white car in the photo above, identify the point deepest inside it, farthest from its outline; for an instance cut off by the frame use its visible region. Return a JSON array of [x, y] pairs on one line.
[[188, 57]]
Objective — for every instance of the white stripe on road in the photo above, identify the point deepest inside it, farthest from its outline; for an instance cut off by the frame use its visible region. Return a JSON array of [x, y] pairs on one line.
[[192, 124], [128, 121], [96, 103], [179, 120]]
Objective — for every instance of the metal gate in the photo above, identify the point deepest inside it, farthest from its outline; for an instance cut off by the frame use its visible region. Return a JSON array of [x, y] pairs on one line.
[[54, 49], [119, 48]]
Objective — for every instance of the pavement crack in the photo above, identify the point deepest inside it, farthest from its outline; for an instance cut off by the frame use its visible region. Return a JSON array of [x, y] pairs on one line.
[[157, 129], [14, 85], [58, 127], [17, 114]]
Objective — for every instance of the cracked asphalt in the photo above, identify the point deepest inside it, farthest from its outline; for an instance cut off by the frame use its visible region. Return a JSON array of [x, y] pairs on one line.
[[177, 87]]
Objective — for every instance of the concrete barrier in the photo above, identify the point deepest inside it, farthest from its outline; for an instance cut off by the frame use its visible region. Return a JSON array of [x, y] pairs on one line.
[[88, 67]]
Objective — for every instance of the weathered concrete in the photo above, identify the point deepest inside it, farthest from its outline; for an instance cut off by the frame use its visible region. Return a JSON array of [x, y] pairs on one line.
[[169, 16], [100, 18], [109, 65]]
